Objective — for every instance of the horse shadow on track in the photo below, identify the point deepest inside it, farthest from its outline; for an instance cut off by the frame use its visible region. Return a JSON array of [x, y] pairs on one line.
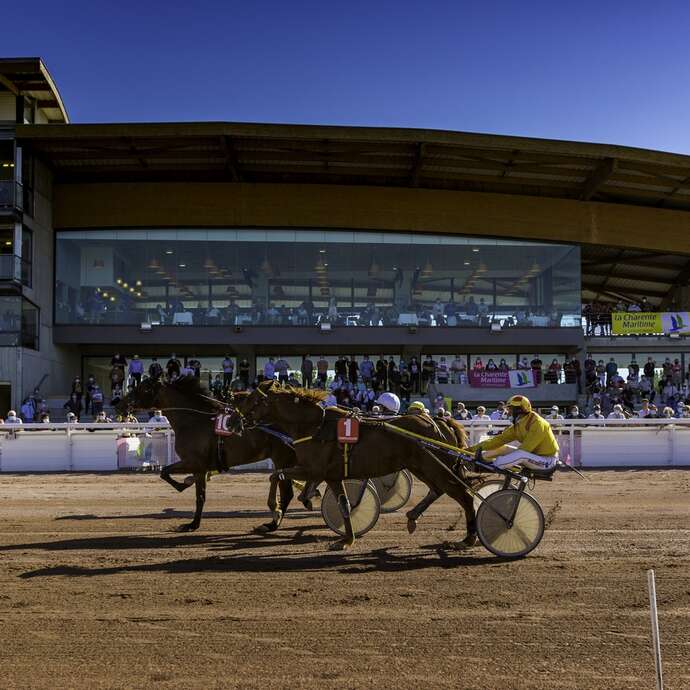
[[170, 513], [377, 560]]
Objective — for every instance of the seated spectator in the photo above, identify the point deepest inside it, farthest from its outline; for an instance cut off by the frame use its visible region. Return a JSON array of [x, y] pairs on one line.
[[12, 418], [554, 413], [575, 413], [158, 418], [499, 412], [596, 413], [667, 413], [617, 413], [461, 413], [481, 413], [683, 411], [101, 418]]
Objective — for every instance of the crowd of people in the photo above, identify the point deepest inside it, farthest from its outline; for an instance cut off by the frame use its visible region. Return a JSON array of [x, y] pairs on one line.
[[598, 315]]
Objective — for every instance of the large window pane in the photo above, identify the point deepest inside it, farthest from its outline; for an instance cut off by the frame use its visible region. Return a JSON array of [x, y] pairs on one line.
[[307, 277]]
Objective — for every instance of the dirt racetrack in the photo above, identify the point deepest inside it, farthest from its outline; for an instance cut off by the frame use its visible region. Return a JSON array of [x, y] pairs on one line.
[[97, 591]]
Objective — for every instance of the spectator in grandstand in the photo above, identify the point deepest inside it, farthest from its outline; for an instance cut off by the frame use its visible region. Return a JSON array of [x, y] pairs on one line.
[[173, 367], [669, 392], [536, 366], [393, 376], [415, 374], [73, 405], [575, 413], [478, 364], [228, 367], [71, 418], [381, 376], [600, 370], [428, 372], [281, 369], [596, 413], [405, 385], [353, 370], [136, 370], [366, 369], [119, 360], [96, 400], [45, 418], [676, 373], [649, 367], [438, 312], [12, 418], [523, 364], [77, 389], [617, 413], [633, 368], [269, 370], [611, 370], [322, 371], [491, 365], [459, 370], [158, 417], [554, 413], [461, 413], [667, 412], [243, 371], [442, 371], [647, 388], [307, 370], [553, 373], [634, 306], [499, 412], [683, 411], [217, 387], [101, 418], [481, 413], [155, 369], [503, 365], [28, 410]]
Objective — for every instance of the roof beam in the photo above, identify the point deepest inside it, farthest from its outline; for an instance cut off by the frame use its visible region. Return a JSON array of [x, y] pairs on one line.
[[600, 289], [599, 175], [231, 165], [681, 279], [9, 85], [417, 165]]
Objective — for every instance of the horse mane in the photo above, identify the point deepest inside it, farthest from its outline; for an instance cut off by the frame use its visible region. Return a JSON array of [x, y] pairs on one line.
[[459, 430], [191, 386], [313, 395]]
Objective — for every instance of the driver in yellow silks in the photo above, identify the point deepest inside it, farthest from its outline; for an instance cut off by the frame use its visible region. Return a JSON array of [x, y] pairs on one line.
[[538, 446]]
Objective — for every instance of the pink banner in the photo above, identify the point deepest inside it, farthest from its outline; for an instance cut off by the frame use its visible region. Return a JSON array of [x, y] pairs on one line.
[[489, 379]]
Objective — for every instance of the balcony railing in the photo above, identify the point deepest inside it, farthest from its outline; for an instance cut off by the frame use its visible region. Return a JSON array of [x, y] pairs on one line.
[[15, 269], [11, 195]]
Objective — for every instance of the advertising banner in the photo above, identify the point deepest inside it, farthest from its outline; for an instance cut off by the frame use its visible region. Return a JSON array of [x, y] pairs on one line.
[[501, 379], [522, 379], [650, 323]]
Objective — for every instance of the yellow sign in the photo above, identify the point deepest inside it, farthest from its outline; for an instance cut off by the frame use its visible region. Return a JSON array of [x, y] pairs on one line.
[[637, 323]]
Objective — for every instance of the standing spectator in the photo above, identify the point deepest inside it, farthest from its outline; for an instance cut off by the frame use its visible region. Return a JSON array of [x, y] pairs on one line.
[[393, 376], [195, 365], [649, 367], [503, 365], [97, 400], [405, 384], [414, 375], [633, 369], [437, 310], [353, 371], [611, 370], [491, 365], [459, 370], [667, 368], [77, 389], [307, 370], [442, 371], [117, 376], [322, 371], [601, 373], [90, 385], [243, 370], [269, 369], [119, 360], [173, 367], [523, 364], [281, 369], [155, 370], [366, 369], [478, 364], [341, 367], [28, 410], [570, 370], [217, 386], [553, 373], [228, 367], [73, 405], [677, 373], [669, 392], [136, 370], [536, 365], [428, 372]]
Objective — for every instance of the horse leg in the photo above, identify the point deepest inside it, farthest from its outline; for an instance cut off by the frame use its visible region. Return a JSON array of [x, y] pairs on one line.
[[417, 512], [308, 492], [200, 484], [175, 467], [338, 489], [286, 495]]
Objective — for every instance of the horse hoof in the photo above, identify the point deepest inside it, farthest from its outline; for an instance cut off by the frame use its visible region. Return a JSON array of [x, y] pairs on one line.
[[411, 525], [340, 545], [189, 527], [308, 505], [265, 529]]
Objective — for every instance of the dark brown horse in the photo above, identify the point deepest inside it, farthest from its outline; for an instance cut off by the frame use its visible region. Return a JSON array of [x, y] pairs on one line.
[[378, 452], [191, 412]]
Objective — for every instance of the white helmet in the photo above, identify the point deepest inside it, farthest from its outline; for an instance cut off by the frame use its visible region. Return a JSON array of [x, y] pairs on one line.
[[390, 401]]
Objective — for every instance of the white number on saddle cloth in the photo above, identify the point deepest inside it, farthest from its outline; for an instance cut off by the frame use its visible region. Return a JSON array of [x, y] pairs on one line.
[[348, 430], [222, 425]]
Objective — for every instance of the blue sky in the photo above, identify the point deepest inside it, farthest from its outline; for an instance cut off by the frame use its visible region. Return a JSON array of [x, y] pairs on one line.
[[609, 71]]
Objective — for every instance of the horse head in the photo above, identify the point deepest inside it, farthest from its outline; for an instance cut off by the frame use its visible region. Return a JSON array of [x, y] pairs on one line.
[[144, 396]]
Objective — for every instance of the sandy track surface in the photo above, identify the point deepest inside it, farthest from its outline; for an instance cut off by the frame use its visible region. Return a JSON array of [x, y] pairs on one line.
[[97, 591]]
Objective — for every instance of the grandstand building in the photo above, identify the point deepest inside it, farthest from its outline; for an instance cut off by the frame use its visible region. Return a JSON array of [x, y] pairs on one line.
[[259, 240]]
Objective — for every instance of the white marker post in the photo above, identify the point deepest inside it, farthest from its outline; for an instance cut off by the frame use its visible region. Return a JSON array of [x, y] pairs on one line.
[[651, 586]]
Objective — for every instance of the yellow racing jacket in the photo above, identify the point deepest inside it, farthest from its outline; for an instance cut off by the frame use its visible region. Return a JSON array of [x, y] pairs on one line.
[[532, 431]]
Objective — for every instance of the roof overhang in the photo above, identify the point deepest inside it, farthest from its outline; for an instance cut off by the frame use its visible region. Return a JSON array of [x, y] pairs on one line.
[[30, 77]]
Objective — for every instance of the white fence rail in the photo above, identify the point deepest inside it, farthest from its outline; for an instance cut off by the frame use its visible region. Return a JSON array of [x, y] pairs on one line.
[[102, 448]]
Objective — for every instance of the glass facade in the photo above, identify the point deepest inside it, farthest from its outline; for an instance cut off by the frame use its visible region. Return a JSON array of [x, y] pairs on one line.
[[306, 278], [19, 323]]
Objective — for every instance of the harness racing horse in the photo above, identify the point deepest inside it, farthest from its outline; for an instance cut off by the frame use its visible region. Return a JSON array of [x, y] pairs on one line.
[[192, 412], [378, 451]]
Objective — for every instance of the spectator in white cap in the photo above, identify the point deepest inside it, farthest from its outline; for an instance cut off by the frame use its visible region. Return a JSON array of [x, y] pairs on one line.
[[555, 413], [481, 413], [12, 418]]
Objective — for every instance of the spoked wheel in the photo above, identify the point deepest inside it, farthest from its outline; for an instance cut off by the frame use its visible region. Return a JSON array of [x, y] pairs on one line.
[[501, 537], [365, 507], [394, 490], [485, 489]]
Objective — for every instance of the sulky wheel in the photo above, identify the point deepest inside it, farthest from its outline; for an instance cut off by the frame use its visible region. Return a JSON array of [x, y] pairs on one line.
[[486, 488], [394, 490], [365, 507], [510, 540]]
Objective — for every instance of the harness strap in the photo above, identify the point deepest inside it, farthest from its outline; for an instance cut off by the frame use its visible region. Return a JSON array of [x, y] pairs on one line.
[[420, 437], [346, 460], [302, 440], [287, 440]]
